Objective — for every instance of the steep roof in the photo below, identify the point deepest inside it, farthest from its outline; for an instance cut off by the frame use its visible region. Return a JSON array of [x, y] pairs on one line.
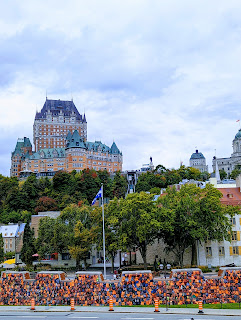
[[22, 143], [75, 141], [231, 196], [11, 230], [96, 146], [56, 106], [114, 149], [48, 153]]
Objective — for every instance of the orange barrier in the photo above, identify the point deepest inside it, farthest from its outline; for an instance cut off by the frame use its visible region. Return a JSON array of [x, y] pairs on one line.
[[200, 307], [111, 305], [156, 306], [32, 304], [72, 304]]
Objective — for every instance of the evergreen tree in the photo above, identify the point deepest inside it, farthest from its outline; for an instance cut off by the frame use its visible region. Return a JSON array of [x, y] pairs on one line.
[[1, 248], [119, 186], [28, 248]]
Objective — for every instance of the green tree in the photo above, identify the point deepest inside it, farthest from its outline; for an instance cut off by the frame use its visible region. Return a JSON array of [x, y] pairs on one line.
[[81, 244], [112, 241], [1, 248], [236, 171], [28, 248], [88, 184], [81, 231], [61, 181], [44, 242], [119, 186], [197, 215], [223, 174], [140, 222]]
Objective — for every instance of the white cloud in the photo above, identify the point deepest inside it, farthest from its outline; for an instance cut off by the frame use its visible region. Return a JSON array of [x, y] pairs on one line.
[[159, 78]]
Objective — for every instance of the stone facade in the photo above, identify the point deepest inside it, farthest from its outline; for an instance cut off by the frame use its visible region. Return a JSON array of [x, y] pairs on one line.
[[157, 250], [228, 164]]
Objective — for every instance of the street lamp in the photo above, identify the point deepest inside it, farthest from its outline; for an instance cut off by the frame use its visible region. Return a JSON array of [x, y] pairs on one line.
[[165, 268]]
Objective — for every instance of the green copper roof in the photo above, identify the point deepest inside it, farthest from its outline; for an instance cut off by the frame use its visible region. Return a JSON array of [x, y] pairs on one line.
[[114, 149], [22, 143], [75, 141], [197, 155], [48, 153], [238, 135]]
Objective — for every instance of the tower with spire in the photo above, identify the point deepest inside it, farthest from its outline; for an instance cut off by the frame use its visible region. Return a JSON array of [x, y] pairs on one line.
[[54, 121]]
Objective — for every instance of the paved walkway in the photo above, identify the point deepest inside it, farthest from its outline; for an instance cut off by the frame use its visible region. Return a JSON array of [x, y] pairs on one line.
[[143, 310]]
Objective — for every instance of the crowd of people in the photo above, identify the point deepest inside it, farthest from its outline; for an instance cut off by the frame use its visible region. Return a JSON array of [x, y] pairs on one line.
[[184, 287]]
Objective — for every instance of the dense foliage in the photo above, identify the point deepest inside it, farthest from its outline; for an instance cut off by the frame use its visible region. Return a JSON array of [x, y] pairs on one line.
[[20, 199]]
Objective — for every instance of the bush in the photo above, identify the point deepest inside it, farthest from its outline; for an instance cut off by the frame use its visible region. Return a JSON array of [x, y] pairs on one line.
[[9, 255], [205, 269]]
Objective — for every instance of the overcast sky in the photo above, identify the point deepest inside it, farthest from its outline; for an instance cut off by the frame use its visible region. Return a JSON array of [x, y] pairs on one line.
[[160, 78]]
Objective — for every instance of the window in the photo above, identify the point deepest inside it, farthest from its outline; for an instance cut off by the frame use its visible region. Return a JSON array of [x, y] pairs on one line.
[[221, 251], [233, 221], [235, 250], [66, 256], [208, 251], [234, 236]]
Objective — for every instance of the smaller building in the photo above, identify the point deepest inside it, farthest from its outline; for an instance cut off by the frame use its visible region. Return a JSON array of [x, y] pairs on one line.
[[221, 253], [11, 234], [198, 161]]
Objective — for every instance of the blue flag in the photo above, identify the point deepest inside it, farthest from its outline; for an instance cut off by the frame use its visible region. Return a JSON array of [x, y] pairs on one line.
[[99, 195]]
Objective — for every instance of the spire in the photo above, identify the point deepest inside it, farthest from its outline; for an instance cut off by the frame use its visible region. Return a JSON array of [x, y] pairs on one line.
[[84, 119], [217, 175]]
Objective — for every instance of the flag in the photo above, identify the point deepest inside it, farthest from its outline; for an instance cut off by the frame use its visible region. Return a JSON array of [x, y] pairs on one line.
[[99, 195]]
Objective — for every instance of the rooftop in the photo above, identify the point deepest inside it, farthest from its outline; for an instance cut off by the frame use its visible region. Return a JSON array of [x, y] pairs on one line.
[[197, 155], [57, 107]]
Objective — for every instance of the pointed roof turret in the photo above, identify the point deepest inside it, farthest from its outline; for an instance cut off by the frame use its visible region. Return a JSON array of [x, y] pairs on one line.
[[84, 118], [114, 149], [75, 141]]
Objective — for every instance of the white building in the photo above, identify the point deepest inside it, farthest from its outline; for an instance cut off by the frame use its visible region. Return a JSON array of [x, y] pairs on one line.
[[11, 233], [228, 164], [198, 161], [223, 253]]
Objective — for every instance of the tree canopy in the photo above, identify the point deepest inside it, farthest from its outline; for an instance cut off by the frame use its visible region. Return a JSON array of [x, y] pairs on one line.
[[197, 215]]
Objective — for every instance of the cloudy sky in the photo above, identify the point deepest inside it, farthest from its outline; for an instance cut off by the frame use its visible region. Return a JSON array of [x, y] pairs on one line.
[[160, 78]]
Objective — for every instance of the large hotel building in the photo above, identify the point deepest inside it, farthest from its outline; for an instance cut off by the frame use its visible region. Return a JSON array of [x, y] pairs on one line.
[[60, 142]]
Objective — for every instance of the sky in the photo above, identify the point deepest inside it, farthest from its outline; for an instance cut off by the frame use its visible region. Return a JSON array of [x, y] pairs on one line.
[[160, 78]]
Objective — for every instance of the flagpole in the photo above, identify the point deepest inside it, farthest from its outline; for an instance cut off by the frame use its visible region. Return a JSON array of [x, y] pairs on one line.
[[103, 218]]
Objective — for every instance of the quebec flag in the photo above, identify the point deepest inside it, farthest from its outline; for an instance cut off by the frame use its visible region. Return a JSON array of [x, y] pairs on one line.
[[99, 195]]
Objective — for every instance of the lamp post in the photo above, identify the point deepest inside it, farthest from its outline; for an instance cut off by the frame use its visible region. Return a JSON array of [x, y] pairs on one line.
[[165, 268]]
